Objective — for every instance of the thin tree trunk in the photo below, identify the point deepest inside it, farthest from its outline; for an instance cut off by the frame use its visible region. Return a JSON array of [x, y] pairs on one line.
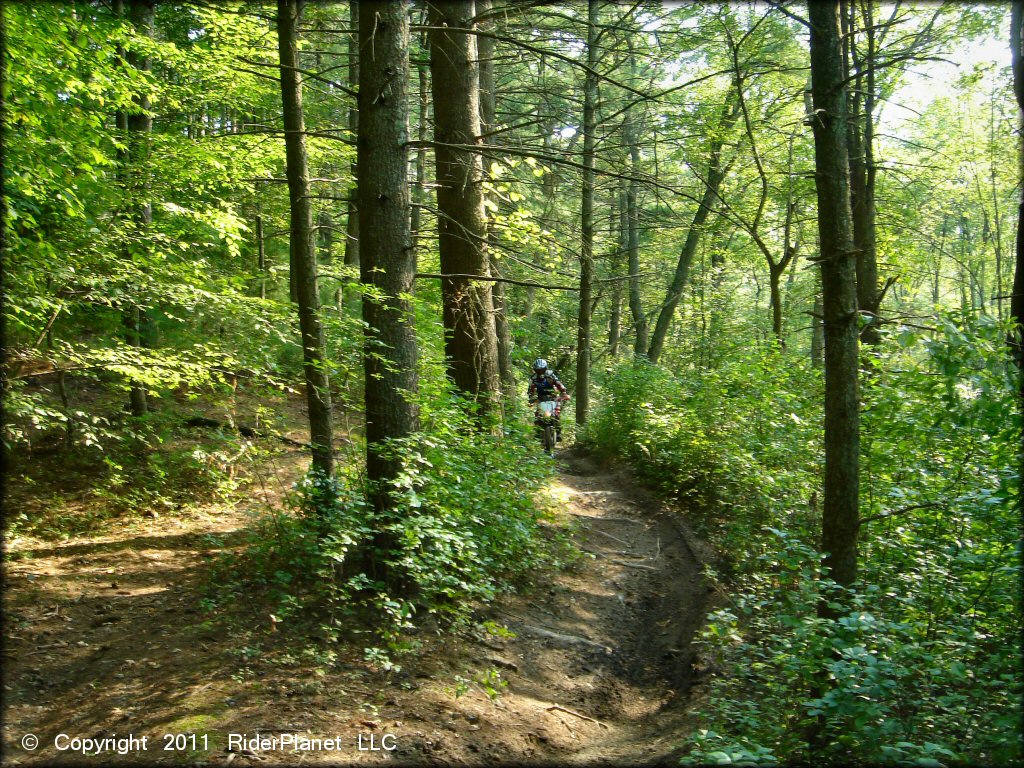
[[775, 272], [468, 312], [419, 197], [352, 217], [715, 176], [587, 222], [620, 224], [839, 299], [860, 136], [631, 139], [302, 247], [137, 128], [261, 258], [488, 122], [1017, 298], [325, 234]]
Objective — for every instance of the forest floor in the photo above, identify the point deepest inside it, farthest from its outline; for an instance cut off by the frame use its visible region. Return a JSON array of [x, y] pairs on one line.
[[106, 634]]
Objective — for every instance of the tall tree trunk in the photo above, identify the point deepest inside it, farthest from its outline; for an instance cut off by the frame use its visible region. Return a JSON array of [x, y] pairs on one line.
[[419, 198], [630, 137], [352, 218], [715, 176], [839, 298], [468, 312], [1017, 298], [388, 258], [620, 225], [587, 222], [302, 247], [840, 517], [860, 138], [136, 128], [775, 272], [488, 122], [261, 259], [325, 232]]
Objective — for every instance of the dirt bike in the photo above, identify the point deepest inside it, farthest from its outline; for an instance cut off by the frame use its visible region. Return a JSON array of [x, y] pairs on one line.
[[545, 417]]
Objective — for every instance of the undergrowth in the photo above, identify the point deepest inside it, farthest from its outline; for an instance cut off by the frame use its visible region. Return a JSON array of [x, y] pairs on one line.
[[154, 468], [924, 668], [469, 523]]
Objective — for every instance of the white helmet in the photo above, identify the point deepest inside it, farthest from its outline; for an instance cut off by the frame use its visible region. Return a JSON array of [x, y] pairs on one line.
[[540, 364]]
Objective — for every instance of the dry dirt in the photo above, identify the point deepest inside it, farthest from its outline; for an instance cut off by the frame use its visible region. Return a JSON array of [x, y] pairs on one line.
[[106, 635]]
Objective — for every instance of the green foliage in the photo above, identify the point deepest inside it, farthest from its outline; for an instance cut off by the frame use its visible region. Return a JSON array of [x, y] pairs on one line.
[[489, 682], [159, 468], [736, 445], [897, 688], [467, 523], [924, 667]]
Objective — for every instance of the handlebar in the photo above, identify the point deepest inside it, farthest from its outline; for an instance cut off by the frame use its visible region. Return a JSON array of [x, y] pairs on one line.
[[560, 399]]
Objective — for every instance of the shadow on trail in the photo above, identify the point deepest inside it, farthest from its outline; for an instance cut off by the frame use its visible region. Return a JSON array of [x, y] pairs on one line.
[[605, 656]]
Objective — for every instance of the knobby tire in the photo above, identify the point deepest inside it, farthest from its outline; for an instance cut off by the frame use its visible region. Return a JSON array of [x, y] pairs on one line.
[[549, 440]]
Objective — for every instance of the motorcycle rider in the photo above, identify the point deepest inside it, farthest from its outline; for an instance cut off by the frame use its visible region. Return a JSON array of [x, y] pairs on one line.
[[544, 386]]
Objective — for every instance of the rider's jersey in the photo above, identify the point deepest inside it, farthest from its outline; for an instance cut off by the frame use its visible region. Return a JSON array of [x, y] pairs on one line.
[[545, 387]]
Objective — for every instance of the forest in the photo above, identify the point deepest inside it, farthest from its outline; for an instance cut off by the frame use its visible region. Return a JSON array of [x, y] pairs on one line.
[[277, 282]]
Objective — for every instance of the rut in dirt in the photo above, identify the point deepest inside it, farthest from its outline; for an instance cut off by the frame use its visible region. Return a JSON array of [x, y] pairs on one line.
[[604, 661]]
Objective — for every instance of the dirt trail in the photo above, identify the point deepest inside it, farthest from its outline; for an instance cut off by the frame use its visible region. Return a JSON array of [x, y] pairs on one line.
[[105, 636], [600, 669]]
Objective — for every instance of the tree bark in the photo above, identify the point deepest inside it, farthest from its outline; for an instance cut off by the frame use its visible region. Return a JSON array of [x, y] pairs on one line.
[[587, 221], [839, 298], [619, 224], [302, 246], [715, 176], [325, 232], [261, 259], [352, 217], [488, 122], [817, 328], [775, 272], [1017, 298], [630, 138], [420, 189], [388, 258], [468, 309], [860, 138]]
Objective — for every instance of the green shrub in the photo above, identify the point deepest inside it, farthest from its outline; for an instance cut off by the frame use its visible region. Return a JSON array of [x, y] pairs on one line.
[[925, 667], [469, 521]]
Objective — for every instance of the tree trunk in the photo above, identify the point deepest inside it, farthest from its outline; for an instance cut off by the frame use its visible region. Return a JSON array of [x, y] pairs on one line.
[[587, 222], [860, 140], [325, 230], [1017, 298], [620, 223], [388, 259], [817, 327], [468, 313], [488, 122], [839, 298], [775, 272], [136, 129], [715, 176], [302, 247], [352, 217], [420, 194], [631, 139], [261, 259]]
